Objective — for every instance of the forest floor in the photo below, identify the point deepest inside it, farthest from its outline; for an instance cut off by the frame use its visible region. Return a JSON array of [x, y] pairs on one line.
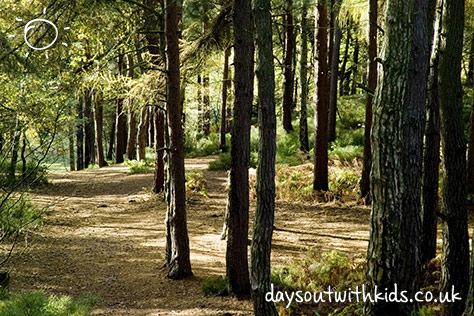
[[104, 234]]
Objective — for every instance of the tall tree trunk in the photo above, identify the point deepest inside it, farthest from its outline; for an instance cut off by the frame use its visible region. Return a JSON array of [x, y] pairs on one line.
[[1, 143], [110, 151], [264, 215], [320, 182], [304, 141], [141, 138], [355, 67], [72, 160], [431, 158], [455, 257], [288, 80], [237, 268], [99, 122], [206, 104], [88, 129], [225, 90], [22, 154], [121, 122], [229, 108], [151, 127], [199, 101], [180, 265], [132, 120], [345, 58], [159, 183], [15, 147], [333, 84], [372, 85], [80, 136]]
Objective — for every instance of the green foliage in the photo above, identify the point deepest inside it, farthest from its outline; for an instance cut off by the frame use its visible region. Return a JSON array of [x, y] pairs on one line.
[[17, 214], [40, 304], [224, 160], [316, 273], [347, 153], [287, 152], [355, 309], [215, 285], [196, 182], [199, 146], [139, 167], [342, 181], [34, 174], [424, 311], [294, 183]]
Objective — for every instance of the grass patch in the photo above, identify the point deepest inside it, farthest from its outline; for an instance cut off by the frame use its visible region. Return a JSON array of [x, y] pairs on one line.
[[40, 304], [215, 286], [223, 162], [139, 167]]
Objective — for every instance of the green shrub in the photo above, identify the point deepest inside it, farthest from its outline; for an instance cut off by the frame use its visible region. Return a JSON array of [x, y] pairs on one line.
[[40, 304], [424, 311], [35, 174], [224, 160], [347, 153], [343, 181], [215, 285], [198, 145], [17, 214], [138, 167]]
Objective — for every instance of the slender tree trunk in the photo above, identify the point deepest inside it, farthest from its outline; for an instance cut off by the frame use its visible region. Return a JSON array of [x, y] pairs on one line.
[[470, 72], [110, 151], [304, 141], [22, 154], [455, 257], [288, 80], [372, 85], [80, 137], [15, 148], [225, 90], [206, 104], [333, 84], [200, 101], [1, 143], [121, 122], [320, 182], [264, 215], [355, 67], [132, 120], [159, 184], [237, 268], [99, 118], [72, 160], [88, 129], [431, 158], [229, 108], [141, 138], [180, 265], [345, 58]]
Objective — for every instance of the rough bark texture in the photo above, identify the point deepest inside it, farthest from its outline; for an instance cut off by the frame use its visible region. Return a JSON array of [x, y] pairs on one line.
[[455, 258], [110, 150], [72, 159], [237, 268], [320, 182], [132, 120], [206, 105], [15, 147], [345, 58], [99, 123], [80, 137], [264, 215], [333, 85], [288, 79], [121, 122], [180, 265], [397, 138], [304, 141], [225, 91], [372, 85], [355, 67], [431, 158]]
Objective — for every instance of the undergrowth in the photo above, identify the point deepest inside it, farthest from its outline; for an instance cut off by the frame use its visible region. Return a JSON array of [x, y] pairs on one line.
[[215, 286], [196, 182], [139, 167]]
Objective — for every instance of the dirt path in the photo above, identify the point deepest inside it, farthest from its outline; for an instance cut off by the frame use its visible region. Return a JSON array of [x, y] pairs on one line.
[[104, 235]]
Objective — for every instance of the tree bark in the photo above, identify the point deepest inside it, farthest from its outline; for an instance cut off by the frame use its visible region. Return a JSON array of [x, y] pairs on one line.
[[99, 118], [372, 85], [89, 143], [304, 141], [264, 215], [455, 259], [206, 104], [237, 268], [333, 84], [288, 79], [225, 90], [110, 151], [431, 159], [180, 265], [132, 120], [342, 74], [72, 159], [320, 182], [80, 136], [15, 147], [393, 254], [159, 124], [141, 138], [355, 67], [121, 122]]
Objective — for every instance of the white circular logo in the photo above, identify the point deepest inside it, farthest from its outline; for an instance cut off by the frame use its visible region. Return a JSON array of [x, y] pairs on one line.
[[30, 26]]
